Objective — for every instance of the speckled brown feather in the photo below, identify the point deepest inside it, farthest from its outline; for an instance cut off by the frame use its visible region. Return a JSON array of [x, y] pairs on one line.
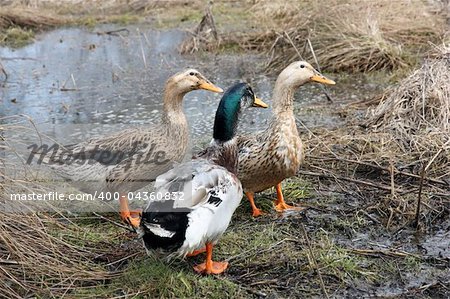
[[129, 174], [269, 157]]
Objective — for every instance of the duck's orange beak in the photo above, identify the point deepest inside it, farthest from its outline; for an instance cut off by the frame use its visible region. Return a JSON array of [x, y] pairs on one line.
[[259, 103], [319, 78], [209, 86]]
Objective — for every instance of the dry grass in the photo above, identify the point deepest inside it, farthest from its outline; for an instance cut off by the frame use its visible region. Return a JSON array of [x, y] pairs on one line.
[[379, 170], [420, 102], [407, 138], [34, 262], [204, 36], [34, 259], [353, 36], [13, 16]]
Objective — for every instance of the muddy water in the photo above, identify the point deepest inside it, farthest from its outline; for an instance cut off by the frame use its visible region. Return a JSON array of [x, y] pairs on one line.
[[72, 77]]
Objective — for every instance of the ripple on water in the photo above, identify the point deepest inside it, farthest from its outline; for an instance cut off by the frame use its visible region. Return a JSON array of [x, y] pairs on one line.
[[111, 85]]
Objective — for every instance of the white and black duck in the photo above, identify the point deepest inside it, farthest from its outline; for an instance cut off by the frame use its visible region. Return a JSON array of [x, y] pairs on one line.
[[210, 189]]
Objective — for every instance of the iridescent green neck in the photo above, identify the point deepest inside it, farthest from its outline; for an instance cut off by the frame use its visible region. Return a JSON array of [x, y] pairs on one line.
[[227, 115]]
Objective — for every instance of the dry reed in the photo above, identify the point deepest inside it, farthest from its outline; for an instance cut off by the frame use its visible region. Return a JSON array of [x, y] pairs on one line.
[[204, 36], [353, 36], [35, 260], [420, 102], [404, 145], [12, 16]]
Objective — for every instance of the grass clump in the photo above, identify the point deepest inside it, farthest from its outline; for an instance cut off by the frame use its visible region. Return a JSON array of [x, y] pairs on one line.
[[36, 263], [151, 277], [420, 101], [340, 262], [16, 37], [351, 36]]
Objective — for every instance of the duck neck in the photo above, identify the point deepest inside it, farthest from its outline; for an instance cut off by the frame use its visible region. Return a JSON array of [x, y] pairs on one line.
[[225, 154], [173, 107], [283, 96], [225, 122]]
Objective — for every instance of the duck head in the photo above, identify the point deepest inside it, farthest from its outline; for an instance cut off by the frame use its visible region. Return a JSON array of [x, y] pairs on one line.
[[189, 80], [301, 72], [237, 98]]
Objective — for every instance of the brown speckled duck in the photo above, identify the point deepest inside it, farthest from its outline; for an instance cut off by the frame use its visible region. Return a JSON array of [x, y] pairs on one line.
[[131, 159], [268, 157]]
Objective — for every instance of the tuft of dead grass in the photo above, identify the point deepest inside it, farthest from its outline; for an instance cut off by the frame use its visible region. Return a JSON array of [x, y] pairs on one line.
[[204, 35], [35, 260], [12, 16], [36, 263], [404, 147], [420, 102], [352, 36]]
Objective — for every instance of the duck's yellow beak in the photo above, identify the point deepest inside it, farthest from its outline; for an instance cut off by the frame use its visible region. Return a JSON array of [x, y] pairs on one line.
[[259, 103], [322, 79], [209, 86]]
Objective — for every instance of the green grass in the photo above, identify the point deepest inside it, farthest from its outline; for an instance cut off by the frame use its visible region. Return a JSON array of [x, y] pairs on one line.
[[16, 37], [340, 262], [149, 277]]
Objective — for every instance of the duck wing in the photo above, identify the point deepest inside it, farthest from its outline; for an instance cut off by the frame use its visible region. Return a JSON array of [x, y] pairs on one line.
[[188, 187]]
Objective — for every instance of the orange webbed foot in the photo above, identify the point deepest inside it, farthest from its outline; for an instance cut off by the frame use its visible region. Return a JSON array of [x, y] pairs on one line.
[[282, 207], [257, 212], [213, 268], [132, 217]]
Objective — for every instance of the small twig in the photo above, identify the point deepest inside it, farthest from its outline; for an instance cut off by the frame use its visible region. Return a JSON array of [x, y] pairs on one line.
[[73, 81], [336, 158], [313, 260], [265, 281], [114, 222], [114, 32], [321, 174], [123, 259], [293, 45], [377, 252], [419, 198], [142, 49], [9, 262], [324, 89], [313, 54], [436, 155], [2, 69], [391, 170]]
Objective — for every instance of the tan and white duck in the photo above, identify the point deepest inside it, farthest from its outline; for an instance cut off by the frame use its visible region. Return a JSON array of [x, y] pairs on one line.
[[268, 157], [129, 160]]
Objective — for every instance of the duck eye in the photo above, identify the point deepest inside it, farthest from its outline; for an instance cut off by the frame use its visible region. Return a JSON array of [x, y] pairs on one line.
[[302, 66], [191, 74]]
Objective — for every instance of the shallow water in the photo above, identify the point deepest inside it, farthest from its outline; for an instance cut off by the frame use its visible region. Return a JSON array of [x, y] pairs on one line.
[[71, 77]]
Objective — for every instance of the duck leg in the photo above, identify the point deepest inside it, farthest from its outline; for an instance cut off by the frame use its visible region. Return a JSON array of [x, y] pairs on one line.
[[196, 252], [256, 212], [280, 204], [209, 266], [132, 217]]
